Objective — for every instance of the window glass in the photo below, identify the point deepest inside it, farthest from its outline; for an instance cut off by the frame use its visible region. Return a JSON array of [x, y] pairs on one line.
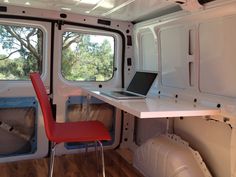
[[21, 52], [87, 57]]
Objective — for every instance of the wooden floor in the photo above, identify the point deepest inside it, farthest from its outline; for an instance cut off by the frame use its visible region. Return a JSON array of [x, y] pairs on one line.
[[79, 165]]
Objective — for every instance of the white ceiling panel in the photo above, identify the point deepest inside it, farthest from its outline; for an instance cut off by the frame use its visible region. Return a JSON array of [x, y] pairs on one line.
[[127, 10], [138, 9]]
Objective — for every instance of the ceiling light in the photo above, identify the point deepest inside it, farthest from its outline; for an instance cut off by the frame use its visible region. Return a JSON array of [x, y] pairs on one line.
[[66, 8], [98, 5], [89, 1], [87, 12], [118, 7], [77, 2], [6, 1], [27, 3], [107, 5], [104, 4]]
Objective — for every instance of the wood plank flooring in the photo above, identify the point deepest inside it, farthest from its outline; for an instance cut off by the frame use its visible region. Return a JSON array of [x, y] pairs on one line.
[[79, 165]]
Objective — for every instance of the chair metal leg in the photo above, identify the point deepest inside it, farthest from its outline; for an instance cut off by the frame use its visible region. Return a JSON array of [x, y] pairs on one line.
[[86, 152], [86, 148], [96, 154], [102, 154], [52, 155]]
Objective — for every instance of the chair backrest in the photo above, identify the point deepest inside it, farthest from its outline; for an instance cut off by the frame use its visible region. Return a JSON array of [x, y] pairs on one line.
[[44, 103]]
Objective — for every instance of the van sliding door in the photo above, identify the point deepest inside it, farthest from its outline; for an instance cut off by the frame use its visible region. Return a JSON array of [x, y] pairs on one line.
[[85, 57], [23, 49]]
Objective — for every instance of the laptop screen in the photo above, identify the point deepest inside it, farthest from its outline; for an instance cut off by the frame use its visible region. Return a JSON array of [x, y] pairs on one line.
[[141, 82]]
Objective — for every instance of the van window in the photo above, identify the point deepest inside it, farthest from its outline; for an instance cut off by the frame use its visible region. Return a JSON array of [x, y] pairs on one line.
[[87, 57], [21, 51]]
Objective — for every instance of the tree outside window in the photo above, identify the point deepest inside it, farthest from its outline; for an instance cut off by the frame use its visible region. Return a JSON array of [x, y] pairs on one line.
[[87, 57], [20, 52]]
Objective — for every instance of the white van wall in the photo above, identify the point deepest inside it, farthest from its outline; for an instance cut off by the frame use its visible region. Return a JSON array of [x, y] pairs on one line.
[[146, 55], [196, 61]]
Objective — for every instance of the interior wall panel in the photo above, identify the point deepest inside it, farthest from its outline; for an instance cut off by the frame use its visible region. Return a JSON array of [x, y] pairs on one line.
[[148, 51], [174, 60], [217, 56]]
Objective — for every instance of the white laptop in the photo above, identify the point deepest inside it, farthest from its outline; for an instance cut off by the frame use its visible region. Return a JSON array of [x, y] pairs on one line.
[[137, 89]]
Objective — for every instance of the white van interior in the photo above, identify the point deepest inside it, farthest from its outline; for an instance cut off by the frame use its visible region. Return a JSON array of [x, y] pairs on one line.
[[183, 128]]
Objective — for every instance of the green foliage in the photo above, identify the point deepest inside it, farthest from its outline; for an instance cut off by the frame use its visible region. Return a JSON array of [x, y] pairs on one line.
[[22, 52], [88, 61], [82, 58]]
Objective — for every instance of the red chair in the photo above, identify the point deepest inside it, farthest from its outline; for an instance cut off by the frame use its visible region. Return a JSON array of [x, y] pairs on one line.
[[84, 131]]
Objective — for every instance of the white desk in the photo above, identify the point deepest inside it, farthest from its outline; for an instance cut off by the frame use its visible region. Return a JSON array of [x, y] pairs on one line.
[[156, 106]]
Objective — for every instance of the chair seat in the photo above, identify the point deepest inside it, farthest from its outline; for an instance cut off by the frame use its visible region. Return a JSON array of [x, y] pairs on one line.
[[83, 131]]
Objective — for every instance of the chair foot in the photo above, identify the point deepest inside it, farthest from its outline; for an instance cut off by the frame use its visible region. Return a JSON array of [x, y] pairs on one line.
[[52, 155]]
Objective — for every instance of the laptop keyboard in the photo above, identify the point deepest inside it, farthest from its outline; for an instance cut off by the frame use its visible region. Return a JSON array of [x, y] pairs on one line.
[[122, 93]]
